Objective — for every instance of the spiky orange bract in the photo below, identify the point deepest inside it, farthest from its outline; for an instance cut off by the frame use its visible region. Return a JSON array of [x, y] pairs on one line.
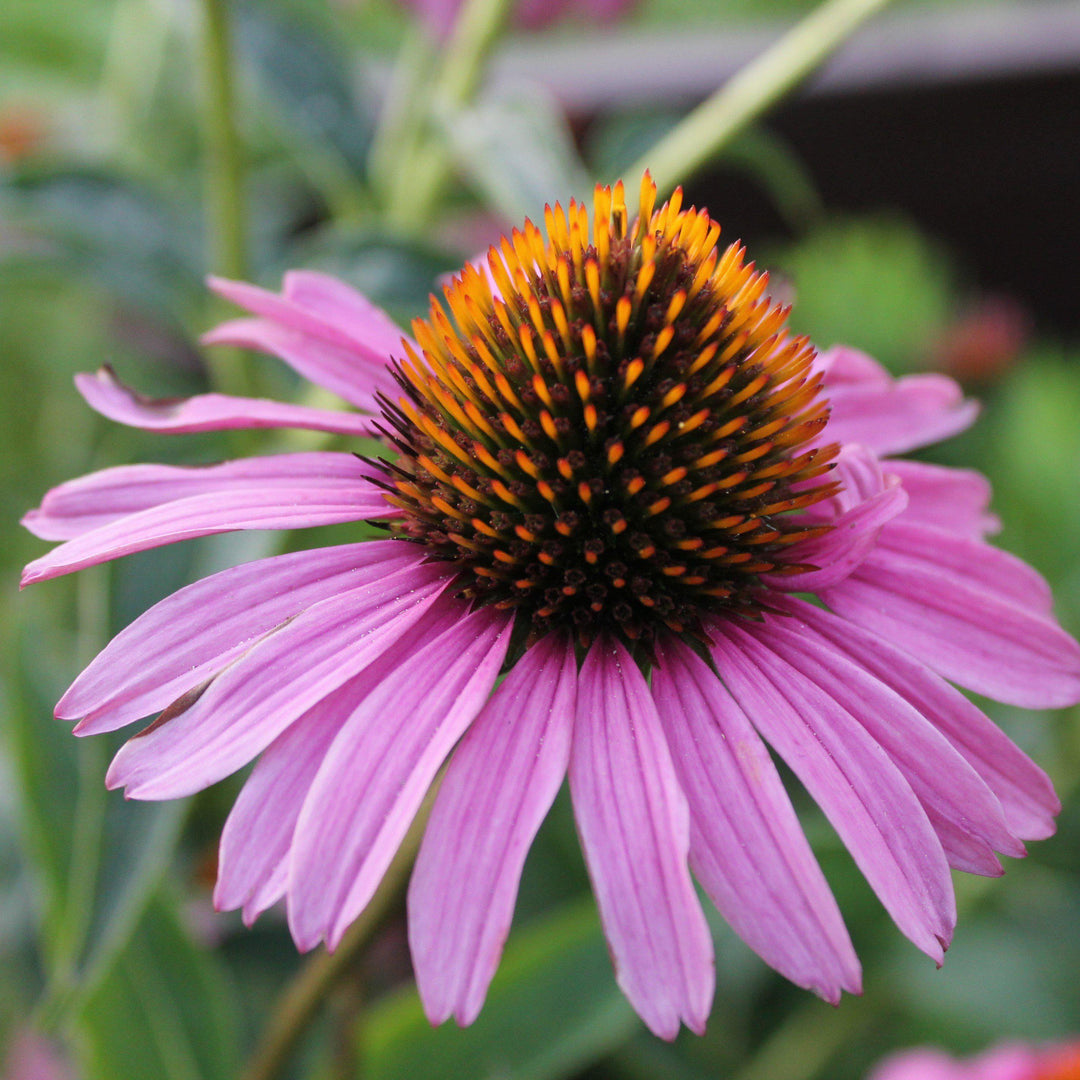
[[615, 440]]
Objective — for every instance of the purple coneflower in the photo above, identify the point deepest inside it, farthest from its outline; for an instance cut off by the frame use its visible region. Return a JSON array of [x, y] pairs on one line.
[[1009, 1061], [612, 475]]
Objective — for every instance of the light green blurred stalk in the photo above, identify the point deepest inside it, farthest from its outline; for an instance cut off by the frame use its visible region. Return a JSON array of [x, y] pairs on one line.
[[225, 207], [752, 91], [415, 179]]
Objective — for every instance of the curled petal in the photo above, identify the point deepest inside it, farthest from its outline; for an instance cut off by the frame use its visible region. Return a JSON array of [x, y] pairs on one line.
[[953, 499], [104, 393], [635, 831], [326, 331]]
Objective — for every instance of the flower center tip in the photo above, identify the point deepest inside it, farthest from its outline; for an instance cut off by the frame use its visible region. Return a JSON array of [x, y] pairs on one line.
[[609, 429]]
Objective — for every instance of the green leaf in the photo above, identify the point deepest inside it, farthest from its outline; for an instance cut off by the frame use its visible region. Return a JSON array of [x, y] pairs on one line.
[[98, 223], [163, 1009], [518, 152], [553, 1008]]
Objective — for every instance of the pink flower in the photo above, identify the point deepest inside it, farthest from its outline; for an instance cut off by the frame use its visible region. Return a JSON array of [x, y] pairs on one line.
[[616, 478], [439, 16], [1007, 1061]]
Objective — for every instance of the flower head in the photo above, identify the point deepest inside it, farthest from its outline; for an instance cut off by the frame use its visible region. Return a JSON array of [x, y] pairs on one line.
[[612, 474], [1008, 1061]]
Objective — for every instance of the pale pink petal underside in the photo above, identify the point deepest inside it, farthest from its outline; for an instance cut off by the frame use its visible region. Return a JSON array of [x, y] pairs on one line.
[[209, 412], [297, 504], [852, 779], [498, 788], [100, 498], [635, 832], [746, 845], [953, 499], [378, 770]]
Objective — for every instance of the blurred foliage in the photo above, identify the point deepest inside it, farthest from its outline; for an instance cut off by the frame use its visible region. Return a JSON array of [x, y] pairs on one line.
[[107, 936]]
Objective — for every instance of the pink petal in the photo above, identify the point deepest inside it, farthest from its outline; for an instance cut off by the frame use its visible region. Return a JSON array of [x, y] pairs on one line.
[[978, 638], [852, 779], [378, 770], [953, 499], [746, 845], [208, 412], [890, 416], [196, 632], [261, 505], [970, 561], [634, 826], [101, 498], [251, 702], [323, 329], [255, 842], [950, 789], [341, 306], [1024, 790], [498, 788]]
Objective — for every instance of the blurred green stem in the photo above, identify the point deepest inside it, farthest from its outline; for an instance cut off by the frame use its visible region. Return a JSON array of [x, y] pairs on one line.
[[419, 178], [225, 216], [752, 91], [305, 995]]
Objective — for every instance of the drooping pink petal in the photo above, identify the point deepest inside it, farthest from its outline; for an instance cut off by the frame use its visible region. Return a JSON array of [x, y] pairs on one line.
[[746, 845], [173, 647], [208, 412], [253, 861], [862, 793], [953, 499], [498, 788], [975, 636], [262, 505], [950, 789], [1024, 790], [890, 416], [634, 826], [970, 561], [253, 700], [379, 768], [254, 850], [326, 331], [101, 498]]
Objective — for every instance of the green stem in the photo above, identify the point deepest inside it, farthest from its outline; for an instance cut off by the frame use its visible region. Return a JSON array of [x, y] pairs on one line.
[[301, 1000], [420, 181], [753, 90], [226, 223]]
